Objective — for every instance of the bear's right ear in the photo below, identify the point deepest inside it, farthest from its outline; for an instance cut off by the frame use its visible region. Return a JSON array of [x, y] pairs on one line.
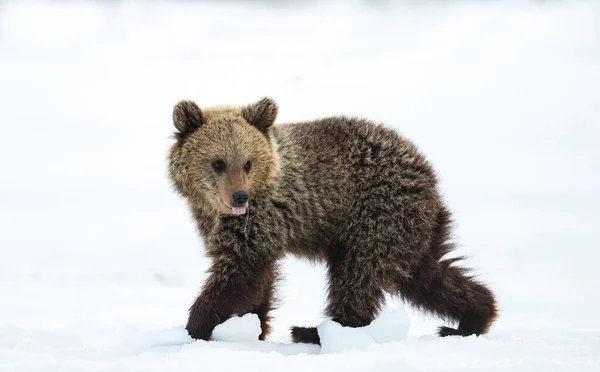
[[187, 117]]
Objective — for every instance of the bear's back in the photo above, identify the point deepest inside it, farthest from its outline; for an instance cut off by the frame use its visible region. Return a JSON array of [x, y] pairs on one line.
[[330, 166], [346, 149]]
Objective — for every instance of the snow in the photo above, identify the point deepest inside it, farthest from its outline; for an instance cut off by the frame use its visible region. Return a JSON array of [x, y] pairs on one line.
[[238, 328], [100, 259], [335, 338], [389, 326], [243, 331]]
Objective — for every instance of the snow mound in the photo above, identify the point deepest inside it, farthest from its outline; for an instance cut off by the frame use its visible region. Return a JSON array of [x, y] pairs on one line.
[[238, 329], [335, 338], [387, 327]]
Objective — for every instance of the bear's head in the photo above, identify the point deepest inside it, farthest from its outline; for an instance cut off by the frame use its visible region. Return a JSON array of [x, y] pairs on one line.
[[223, 155]]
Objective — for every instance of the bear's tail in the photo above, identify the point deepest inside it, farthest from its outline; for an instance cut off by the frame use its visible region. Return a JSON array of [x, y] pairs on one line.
[[439, 287]]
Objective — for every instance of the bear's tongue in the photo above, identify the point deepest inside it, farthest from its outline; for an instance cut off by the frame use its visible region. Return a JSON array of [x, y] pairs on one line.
[[238, 211]]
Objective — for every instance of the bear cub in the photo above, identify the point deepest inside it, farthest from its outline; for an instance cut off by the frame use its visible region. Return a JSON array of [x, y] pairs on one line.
[[343, 191]]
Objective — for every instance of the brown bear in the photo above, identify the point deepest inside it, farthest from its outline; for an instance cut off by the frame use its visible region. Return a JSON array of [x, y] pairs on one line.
[[344, 191]]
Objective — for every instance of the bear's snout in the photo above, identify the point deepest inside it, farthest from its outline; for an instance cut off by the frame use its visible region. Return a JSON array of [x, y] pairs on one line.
[[240, 197]]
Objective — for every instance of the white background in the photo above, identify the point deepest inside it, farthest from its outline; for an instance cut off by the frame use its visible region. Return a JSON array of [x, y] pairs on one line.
[[95, 248]]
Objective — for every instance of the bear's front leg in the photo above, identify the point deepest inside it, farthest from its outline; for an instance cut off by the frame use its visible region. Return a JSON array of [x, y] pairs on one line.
[[202, 321], [236, 286]]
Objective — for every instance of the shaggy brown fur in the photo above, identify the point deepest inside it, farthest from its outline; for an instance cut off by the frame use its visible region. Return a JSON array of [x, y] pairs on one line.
[[343, 191]]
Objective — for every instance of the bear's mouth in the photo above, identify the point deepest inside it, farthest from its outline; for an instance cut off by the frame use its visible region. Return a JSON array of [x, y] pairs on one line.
[[238, 211]]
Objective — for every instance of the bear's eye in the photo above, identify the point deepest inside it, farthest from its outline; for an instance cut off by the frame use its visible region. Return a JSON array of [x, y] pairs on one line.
[[247, 166], [219, 165]]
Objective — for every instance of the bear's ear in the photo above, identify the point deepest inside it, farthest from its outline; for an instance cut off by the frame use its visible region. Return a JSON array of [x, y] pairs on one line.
[[261, 114], [187, 117]]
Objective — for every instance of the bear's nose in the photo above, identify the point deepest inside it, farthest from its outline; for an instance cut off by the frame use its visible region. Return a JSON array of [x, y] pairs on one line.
[[240, 197]]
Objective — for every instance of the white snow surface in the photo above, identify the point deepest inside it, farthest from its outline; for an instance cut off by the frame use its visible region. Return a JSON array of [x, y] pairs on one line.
[[100, 260]]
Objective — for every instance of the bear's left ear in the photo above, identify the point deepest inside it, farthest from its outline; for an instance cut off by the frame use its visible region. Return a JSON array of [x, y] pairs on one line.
[[261, 114]]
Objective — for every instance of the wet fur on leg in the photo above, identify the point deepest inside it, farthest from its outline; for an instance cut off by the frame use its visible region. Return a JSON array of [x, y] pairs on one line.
[[305, 335]]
